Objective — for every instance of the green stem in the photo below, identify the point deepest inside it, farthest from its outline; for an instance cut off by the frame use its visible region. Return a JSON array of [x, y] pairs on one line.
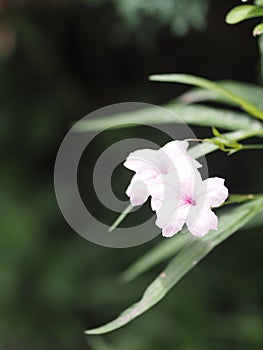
[[199, 151], [121, 217], [234, 137], [252, 147]]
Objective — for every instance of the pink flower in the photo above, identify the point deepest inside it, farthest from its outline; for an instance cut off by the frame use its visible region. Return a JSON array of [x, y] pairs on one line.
[[178, 194], [190, 203], [151, 166]]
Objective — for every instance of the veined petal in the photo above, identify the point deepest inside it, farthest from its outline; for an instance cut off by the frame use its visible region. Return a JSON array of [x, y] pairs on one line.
[[213, 192], [171, 220], [200, 220], [178, 149], [175, 148], [142, 160]]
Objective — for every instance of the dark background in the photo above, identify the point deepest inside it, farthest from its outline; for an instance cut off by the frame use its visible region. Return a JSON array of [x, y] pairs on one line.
[[59, 61]]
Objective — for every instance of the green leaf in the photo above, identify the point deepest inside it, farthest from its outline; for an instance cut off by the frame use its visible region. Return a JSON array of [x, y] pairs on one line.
[[213, 86], [250, 92], [164, 250], [215, 132], [170, 247], [258, 2], [180, 113], [257, 221], [121, 217], [224, 143], [243, 12], [258, 30], [239, 198], [229, 222]]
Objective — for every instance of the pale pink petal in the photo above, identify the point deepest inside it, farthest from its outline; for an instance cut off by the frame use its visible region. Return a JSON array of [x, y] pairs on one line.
[[169, 189], [200, 220], [212, 192], [178, 149], [156, 204], [142, 160], [172, 222], [175, 148], [189, 186], [137, 192], [157, 192], [164, 189]]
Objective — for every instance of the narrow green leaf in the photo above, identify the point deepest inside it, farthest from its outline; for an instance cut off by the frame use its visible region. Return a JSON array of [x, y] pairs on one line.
[[239, 198], [243, 12], [170, 247], [180, 113], [258, 30], [215, 132], [258, 2], [164, 250], [121, 217], [210, 85], [252, 93], [257, 221], [197, 249]]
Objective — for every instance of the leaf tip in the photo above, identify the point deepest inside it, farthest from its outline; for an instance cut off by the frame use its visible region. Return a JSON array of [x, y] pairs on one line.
[[258, 30], [93, 331], [154, 77]]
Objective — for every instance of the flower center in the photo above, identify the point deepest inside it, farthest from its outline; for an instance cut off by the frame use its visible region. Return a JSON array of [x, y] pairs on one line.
[[189, 200]]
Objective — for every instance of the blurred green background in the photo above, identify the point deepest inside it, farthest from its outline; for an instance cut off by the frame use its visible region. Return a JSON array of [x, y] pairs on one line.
[[60, 60]]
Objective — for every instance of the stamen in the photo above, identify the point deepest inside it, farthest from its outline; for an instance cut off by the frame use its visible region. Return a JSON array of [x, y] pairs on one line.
[[190, 201]]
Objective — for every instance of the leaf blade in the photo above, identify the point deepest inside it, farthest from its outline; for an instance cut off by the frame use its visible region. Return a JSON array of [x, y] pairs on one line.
[[197, 249], [210, 85], [169, 248], [243, 12], [258, 30], [180, 113], [253, 93], [164, 250]]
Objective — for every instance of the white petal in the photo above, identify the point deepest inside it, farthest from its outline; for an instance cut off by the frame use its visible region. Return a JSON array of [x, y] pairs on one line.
[[213, 192], [137, 192], [201, 220], [175, 148], [178, 158], [142, 160], [156, 204], [171, 219]]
